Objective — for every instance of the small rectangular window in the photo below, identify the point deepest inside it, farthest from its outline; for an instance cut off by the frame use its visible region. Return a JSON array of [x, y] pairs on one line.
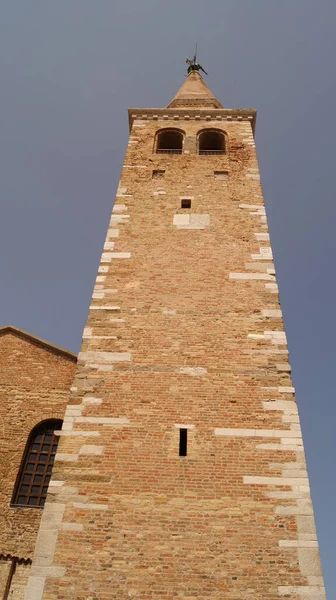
[[183, 442], [185, 203], [221, 174], [158, 173]]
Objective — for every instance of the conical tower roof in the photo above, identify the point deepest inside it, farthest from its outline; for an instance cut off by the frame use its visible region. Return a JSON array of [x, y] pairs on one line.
[[194, 92]]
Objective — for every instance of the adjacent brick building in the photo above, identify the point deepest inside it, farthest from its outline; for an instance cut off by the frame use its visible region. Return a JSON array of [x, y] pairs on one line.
[[34, 388], [180, 472]]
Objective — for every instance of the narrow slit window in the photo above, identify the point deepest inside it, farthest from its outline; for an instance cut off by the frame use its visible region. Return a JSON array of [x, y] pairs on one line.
[[185, 203], [183, 442]]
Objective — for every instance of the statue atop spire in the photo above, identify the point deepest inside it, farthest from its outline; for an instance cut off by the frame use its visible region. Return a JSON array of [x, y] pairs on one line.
[[194, 65]]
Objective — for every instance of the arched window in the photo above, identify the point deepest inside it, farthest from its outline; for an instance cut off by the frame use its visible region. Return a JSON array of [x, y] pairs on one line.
[[169, 141], [211, 141], [37, 463]]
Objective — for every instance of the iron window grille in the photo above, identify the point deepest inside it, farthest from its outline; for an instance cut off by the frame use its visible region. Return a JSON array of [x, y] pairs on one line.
[[35, 473]]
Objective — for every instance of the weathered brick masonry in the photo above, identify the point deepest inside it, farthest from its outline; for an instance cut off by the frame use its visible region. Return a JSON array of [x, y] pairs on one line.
[[35, 382], [184, 332]]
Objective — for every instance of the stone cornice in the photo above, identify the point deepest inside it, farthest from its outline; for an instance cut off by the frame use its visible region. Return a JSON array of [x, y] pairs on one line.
[[195, 103], [198, 114]]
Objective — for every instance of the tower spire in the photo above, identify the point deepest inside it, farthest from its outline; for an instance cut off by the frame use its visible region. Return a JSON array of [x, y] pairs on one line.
[[194, 92]]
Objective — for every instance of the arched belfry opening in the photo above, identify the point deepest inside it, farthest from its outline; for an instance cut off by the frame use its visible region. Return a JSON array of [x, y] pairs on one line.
[[169, 141], [211, 141]]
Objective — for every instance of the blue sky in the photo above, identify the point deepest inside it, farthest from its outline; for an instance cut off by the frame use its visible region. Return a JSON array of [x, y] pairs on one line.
[[70, 69]]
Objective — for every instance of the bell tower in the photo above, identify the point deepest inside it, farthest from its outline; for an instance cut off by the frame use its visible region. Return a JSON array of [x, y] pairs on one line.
[[180, 472]]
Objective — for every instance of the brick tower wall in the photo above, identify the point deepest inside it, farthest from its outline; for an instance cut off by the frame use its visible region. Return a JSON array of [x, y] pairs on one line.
[[184, 331]]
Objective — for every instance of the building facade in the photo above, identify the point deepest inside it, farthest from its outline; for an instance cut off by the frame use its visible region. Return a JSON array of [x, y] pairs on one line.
[[34, 389], [180, 471]]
